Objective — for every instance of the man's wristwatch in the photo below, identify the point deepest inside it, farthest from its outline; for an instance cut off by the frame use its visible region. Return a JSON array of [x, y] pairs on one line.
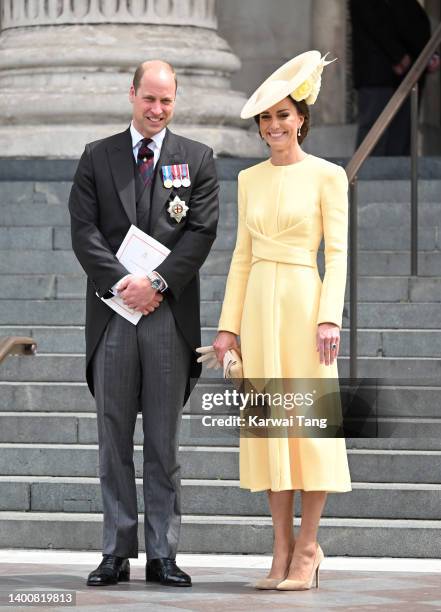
[[156, 282]]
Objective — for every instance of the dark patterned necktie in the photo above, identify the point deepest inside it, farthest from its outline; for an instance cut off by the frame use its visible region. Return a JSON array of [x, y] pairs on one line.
[[146, 161]]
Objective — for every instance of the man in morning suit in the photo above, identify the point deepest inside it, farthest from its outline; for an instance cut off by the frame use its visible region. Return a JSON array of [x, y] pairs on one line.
[[146, 367]]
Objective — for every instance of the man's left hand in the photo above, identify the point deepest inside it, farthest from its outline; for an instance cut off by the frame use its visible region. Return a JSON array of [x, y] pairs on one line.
[[434, 63], [138, 293]]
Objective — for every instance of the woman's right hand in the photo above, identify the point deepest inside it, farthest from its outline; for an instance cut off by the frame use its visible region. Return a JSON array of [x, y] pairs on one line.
[[223, 342]]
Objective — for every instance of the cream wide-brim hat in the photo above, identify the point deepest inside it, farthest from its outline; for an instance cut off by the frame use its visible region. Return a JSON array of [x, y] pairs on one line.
[[299, 78]]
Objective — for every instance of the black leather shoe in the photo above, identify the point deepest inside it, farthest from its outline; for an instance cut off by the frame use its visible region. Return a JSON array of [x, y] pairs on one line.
[[111, 570], [166, 572]]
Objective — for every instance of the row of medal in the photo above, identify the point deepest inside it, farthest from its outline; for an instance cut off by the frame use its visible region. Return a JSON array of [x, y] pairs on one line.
[[176, 176]]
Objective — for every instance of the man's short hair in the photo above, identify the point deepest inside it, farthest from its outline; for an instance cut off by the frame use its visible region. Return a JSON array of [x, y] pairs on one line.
[[139, 72]]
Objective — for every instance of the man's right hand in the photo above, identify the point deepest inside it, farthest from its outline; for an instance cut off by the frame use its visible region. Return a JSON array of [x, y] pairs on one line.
[[138, 293], [223, 342], [403, 65]]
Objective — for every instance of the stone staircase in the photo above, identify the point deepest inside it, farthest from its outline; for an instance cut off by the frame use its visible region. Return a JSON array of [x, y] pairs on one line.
[[49, 490]]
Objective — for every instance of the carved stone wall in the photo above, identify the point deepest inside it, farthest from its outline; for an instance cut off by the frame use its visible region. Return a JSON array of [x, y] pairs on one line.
[[66, 68], [20, 13]]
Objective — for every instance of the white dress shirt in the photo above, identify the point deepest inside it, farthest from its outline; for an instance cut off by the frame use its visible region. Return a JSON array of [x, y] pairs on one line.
[[155, 146]]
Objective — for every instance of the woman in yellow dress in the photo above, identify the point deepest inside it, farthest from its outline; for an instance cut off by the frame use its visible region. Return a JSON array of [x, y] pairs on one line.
[[287, 319]]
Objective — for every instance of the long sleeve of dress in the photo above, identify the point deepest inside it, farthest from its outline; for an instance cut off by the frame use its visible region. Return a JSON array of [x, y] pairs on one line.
[[334, 207], [239, 271]]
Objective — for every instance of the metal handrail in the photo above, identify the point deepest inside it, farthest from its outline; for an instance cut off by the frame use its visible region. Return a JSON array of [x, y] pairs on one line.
[[409, 85], [17, 345], [393, 106]]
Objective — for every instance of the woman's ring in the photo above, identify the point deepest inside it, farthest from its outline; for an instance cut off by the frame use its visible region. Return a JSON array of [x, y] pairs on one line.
[[333, 346]]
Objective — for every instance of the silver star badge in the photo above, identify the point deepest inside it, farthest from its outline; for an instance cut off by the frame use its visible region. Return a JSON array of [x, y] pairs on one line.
[[177, 209]]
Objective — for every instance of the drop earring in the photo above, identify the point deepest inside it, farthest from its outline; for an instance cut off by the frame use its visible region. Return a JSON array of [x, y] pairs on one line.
[[299, 133]]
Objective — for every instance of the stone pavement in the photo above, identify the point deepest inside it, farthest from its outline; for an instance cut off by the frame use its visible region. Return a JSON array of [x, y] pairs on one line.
[[344, 585]]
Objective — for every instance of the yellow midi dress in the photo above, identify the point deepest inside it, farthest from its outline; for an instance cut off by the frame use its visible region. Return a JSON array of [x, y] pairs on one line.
[[275, 299]]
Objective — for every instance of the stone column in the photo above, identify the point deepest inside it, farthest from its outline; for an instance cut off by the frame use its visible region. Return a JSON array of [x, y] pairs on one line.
[[66, 68], [329, 34], [331, 135]]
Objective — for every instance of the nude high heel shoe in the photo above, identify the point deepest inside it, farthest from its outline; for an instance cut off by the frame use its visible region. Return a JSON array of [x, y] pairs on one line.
[[303, 585], [267, 584]]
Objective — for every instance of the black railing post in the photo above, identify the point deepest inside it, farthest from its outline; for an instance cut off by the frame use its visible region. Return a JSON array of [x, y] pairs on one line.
[[353, 276], [414, 180]]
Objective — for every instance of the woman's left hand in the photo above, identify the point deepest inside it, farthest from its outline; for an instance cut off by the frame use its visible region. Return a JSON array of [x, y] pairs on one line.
[[328, 335]]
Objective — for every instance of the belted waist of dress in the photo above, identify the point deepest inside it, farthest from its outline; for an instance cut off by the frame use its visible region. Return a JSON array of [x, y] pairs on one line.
[[271, 249]]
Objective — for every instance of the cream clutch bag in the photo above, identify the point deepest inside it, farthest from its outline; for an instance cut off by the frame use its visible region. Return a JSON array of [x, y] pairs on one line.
[[233, 367]]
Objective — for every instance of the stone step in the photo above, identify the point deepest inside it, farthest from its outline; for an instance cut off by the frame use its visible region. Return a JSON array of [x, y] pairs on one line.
[[392, 192], [375, 168], [229, 534], [33, 287], [43, 312], [391, 237], [223, 497], [39, 215], [35, 238], [57, 192], [58, 238], [201, 430], [70, 368], [381, 203], [25, 238], [73, 286], [391, 315], [371, 342], [51, 338], [35, 192], [81, 460], [373, 213], [213, 463], [44, 169], [392, 401], [382, 239], [370, 263], [43, 286], [422, 315], [46, 397], [44, 368], [387, 191], [395, 214], [39, 262], [396, 237]]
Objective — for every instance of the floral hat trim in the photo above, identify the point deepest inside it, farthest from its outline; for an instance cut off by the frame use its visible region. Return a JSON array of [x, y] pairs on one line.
[[310, 88]]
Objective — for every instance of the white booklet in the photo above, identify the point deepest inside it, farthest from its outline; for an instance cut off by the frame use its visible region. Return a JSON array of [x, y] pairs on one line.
[[140, 254]]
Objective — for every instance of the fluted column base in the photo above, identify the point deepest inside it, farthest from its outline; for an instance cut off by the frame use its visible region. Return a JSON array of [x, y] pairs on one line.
[[65, 85]]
